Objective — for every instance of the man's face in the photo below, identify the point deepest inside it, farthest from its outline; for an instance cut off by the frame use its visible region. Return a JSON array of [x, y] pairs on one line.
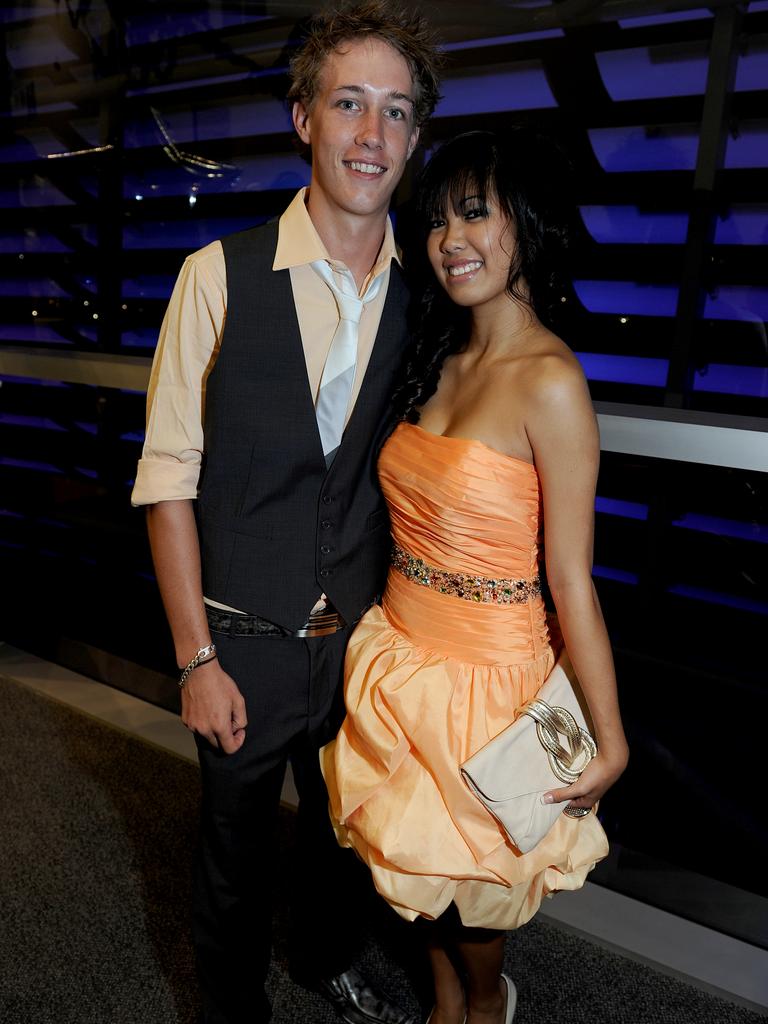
[[360, 127]]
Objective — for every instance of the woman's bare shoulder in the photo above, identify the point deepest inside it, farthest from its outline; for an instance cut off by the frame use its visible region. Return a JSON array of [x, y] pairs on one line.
[[551, 372]]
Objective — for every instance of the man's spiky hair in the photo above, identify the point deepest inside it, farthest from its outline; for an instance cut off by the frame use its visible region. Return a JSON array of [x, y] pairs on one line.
[[404, 30]]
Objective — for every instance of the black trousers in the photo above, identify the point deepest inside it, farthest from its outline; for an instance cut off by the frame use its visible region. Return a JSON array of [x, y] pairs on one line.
[[293, 694]]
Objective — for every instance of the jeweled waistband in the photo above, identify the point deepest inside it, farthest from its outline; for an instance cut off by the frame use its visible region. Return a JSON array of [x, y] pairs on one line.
[[459, 584]]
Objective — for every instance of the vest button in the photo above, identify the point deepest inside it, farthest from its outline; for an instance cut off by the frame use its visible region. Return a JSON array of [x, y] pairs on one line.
[[326, 524], [325, 549], [325, 572], [327, 499]]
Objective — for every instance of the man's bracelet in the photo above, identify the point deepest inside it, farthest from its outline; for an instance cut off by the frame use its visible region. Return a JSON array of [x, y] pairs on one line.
[[203, 655]]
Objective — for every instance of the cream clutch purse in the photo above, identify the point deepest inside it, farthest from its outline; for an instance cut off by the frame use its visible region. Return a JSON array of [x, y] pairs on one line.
[[547, 747]]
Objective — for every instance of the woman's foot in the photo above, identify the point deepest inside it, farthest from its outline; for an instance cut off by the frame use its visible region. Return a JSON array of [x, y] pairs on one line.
[[500, 1009], [511, 1004], [439, 1016], [442, 1017]]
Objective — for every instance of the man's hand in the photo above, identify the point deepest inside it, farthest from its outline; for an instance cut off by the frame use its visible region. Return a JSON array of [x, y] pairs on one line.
[[213, 707]]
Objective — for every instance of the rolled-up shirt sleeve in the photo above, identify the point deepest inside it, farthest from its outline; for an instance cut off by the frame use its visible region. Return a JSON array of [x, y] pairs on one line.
[[169, 467]]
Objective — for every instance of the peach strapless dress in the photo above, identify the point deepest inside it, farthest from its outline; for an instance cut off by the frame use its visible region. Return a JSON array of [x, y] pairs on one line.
[[430, 677]]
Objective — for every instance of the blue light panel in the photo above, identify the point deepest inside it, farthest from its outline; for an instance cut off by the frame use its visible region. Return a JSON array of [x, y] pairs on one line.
[[180, 234], [17, 12], [35, 47], [39, 467], [655, 72], [34, 287], [752, 67], [252, 174], [526, 37], [750, 147], [619, 507], [38, 140], [521, 87], [8, 378], [239, 119], [143, 338], [720, 378], [619, 575], [649, 73], [624, 369], [628, 225], [148, 286], [151, 28], [715, 597], [22, 107], [34, 422], [645, 21], [182, 84], [757, 532], [31, 240], [743, 225], [695, 521], [637, 148], [627, 297], [734, 302], [33, 192], [33, 332]]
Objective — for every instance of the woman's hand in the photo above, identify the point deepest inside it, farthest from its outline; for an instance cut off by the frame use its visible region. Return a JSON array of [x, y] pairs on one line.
[[596, 779]]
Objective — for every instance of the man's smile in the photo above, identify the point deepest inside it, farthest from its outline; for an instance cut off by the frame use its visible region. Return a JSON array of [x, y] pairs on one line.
[[363, 167]]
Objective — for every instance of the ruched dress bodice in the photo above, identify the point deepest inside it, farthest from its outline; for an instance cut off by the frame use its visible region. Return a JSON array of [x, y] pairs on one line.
[[459, 643], [458, 505]]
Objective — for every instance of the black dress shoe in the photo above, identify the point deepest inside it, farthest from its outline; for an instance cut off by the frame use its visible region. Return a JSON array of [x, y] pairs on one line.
[[358, 1002]]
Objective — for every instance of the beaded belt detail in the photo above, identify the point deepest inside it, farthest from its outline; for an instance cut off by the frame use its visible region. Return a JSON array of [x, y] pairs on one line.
[[464, 585]]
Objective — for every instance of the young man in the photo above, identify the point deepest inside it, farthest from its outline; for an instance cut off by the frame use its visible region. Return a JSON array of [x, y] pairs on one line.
[[288, 337]]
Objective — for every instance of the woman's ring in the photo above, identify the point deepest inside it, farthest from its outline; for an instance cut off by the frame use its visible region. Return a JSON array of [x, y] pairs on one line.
[[576, 812]]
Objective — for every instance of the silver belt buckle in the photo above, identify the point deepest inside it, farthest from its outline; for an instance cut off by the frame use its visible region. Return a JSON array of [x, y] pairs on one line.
[[323, 623]]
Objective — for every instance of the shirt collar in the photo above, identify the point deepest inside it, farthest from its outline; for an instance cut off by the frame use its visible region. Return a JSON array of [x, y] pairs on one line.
[[298, 241]]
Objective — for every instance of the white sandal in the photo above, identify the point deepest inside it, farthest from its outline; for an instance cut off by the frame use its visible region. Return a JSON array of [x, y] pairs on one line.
[[509, 1013]]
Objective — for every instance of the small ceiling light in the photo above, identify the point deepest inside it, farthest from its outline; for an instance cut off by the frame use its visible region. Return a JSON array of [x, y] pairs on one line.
[[623, 320], [138, 197], [192, 200], [34, 312], [95, 316]]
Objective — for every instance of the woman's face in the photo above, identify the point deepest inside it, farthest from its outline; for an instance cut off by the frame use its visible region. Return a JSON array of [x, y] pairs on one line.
[[471, 249]]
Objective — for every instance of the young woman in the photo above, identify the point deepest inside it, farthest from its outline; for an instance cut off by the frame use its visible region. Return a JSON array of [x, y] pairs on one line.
[[498, 443]]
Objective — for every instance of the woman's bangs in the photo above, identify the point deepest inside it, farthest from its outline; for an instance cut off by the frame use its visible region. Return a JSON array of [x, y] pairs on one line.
[[462, 168]]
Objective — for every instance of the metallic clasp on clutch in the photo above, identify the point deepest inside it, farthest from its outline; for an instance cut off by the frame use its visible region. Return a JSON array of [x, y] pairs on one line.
[[551, 723]]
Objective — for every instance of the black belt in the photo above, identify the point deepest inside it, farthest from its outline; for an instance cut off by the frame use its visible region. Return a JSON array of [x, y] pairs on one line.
[[320, 623]]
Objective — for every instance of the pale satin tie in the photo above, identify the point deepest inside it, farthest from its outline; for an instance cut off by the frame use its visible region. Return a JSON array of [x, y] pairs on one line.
[[339, 371]]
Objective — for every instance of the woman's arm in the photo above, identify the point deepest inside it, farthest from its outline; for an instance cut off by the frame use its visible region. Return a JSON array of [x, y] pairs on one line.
[[562, 430]]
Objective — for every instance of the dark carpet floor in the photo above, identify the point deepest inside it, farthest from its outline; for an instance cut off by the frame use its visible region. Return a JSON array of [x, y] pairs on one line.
[[96, 836]]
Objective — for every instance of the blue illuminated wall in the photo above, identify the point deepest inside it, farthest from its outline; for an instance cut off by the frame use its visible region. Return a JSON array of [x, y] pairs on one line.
[[118, 163]]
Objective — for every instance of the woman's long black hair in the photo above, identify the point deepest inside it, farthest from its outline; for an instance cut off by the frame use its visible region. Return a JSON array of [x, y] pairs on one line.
[[530, 179]]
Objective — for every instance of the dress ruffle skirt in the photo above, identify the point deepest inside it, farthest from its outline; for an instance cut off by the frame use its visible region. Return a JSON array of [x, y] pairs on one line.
[[430, 678]]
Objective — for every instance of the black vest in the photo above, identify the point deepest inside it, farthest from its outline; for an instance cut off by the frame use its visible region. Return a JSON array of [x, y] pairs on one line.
[[276, 528]]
